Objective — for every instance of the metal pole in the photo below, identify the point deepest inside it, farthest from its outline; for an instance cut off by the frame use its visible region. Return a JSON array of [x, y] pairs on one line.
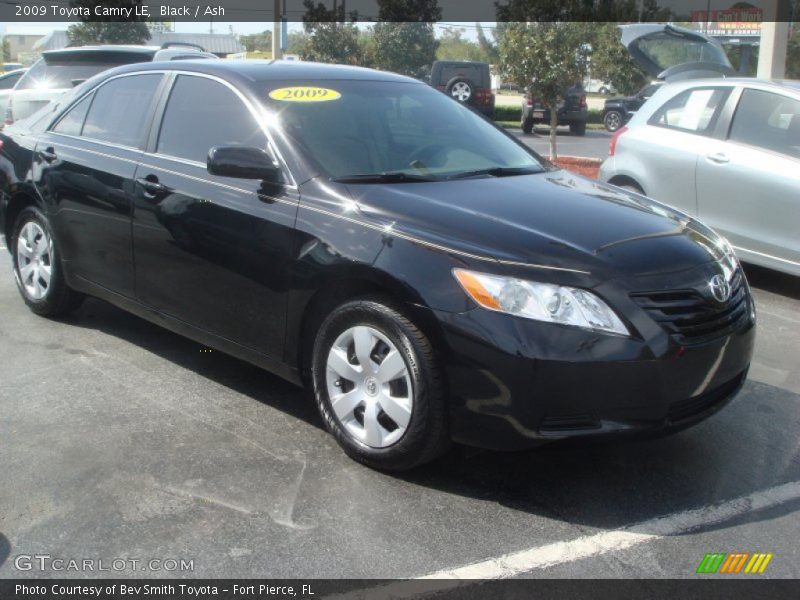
[[277, 54]]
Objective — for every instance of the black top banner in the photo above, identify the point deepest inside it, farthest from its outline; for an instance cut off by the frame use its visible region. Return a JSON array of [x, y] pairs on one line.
[[725, 11]]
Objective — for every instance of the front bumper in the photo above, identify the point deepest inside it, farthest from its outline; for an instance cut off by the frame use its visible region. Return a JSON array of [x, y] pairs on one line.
[[515, 383], [565, 117]]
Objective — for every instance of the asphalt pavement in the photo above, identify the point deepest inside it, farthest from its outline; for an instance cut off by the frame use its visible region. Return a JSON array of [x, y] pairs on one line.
[[593, 145], [121, 440]]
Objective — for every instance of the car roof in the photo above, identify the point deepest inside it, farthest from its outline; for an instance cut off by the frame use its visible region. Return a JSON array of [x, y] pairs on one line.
[[751, 81], [121, 48], [253, 71]]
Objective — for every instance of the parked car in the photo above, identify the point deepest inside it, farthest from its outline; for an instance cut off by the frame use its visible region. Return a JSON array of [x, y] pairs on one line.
[[726, 151], [59, 70], [12, 66], [618, 111], [467, 82], [572, 111], [7, 83], [597, 86], [429, 275]]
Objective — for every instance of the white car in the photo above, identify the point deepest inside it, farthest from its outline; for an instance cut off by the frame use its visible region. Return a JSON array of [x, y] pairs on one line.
[[726, 151], [722, 149], [598, 86]]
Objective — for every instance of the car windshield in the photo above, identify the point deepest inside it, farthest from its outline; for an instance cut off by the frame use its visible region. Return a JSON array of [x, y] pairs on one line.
[[393, 132]]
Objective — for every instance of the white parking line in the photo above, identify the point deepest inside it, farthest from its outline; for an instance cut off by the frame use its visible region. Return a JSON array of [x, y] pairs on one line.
[[518, 563]]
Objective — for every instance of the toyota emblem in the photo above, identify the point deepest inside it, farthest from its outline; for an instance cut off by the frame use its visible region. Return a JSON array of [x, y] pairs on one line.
[[720, 288]]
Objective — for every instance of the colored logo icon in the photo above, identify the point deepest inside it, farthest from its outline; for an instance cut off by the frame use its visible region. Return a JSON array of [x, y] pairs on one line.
[[734, 562]]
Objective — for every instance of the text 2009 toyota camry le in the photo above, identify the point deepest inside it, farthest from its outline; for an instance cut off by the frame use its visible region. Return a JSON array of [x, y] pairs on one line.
[[431, 277]]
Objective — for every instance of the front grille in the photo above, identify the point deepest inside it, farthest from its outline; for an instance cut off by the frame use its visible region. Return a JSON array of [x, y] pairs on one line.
[[692, 317], [685, 409]]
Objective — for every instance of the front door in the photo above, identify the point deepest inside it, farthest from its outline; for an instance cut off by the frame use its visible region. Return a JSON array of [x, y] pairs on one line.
[[212, 251]]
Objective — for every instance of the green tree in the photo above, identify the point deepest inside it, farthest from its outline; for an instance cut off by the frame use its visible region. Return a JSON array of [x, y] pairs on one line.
[[403, 40], [112, 31], [257, 42], [612, 62], [405, 48], [328, 37], [488, 47], [452, 46], [548, 57], [6, 51]]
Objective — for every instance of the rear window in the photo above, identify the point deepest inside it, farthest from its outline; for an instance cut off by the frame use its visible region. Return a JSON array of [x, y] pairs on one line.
[[60, 73], [478, 74]]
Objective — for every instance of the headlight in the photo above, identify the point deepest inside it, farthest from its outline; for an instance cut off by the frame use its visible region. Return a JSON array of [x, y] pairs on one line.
[[540, 301]]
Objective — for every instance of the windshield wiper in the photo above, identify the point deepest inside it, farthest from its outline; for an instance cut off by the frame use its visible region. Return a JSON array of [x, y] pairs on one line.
[[496, 172], [387, 177]]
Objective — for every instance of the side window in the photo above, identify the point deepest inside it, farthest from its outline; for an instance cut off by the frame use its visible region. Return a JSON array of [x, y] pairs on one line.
[[119, 111], [202, 113], [768, 121], [692, 111], [72, 122]]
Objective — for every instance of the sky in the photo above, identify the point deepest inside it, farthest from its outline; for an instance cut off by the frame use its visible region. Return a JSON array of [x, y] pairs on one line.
[[221, 27]]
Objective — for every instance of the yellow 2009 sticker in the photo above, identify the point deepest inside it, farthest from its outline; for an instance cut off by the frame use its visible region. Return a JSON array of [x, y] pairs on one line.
[[304, 94]]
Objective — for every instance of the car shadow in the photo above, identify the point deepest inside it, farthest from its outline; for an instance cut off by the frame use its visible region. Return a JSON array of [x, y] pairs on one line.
[[773, 281], [221, 368], [605, 484], [5, 549]]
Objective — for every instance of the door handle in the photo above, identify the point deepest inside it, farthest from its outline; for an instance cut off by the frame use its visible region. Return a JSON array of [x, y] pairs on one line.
[[151, 186], [48, 155], [718, 157]]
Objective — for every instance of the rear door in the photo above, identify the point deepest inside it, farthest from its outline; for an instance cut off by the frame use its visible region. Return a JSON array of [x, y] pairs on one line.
[[747, 184], [86, 164], [212, 251]]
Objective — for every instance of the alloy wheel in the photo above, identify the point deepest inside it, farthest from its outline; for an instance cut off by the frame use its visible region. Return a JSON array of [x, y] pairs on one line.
[[34, 260], [461, 91], [369, 386], [613, 121]]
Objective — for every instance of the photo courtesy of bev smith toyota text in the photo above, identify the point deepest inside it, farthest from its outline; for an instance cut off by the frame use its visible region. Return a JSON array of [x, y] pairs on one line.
[[395, 298]]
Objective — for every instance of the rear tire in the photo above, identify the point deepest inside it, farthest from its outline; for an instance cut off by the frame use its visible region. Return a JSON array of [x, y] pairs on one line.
[[37, 266], [377, 386], [612, 120], [460, 89], [527, 126], [578, 128]]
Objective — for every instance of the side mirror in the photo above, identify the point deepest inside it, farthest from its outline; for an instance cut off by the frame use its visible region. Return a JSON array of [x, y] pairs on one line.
[[243, 162]]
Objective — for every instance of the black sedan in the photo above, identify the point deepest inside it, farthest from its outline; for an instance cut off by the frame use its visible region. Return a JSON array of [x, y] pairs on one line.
[[429, 276]]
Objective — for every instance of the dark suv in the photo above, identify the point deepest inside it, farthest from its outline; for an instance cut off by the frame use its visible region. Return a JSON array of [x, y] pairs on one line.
[[468, 82], [572, 111], [618, 111]]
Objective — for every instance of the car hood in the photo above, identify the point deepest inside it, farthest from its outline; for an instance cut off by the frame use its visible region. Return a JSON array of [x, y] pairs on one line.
[[553, 219]]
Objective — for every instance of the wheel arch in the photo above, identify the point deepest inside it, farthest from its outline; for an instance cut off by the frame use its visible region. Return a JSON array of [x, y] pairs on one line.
[[337, 290], [623, 180], [15, 201]]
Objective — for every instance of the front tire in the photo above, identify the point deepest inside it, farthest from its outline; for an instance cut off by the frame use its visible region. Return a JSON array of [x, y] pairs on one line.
[[377, 386], [37, 267]]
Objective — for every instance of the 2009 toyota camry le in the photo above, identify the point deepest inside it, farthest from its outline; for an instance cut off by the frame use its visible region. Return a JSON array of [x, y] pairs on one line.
[[431, 277]]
